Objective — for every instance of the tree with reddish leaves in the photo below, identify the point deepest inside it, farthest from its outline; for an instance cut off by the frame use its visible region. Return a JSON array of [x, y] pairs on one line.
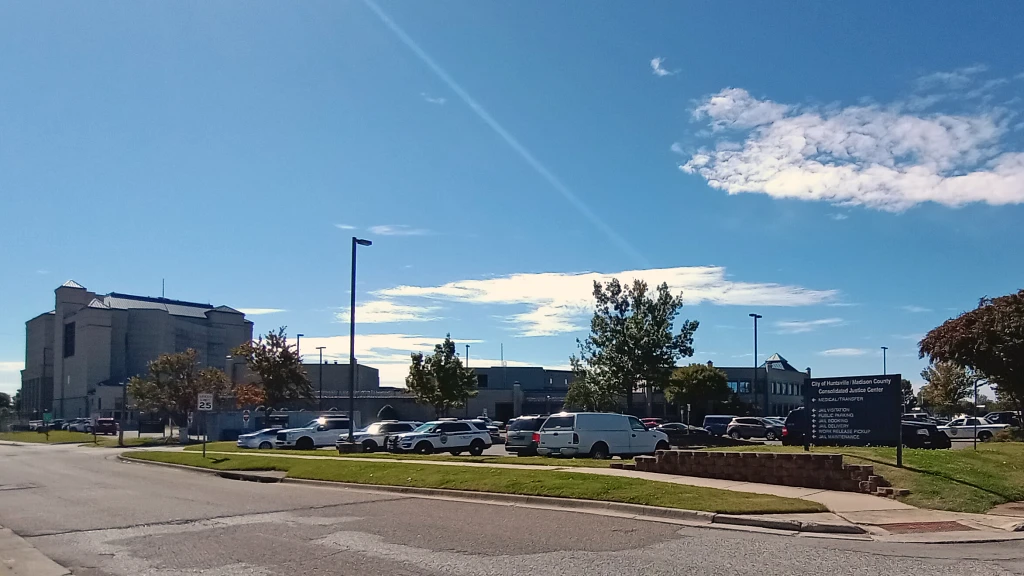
[[988, 340]]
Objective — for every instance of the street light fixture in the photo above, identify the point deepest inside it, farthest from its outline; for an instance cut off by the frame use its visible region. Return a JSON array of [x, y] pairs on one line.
[[298, 343], [352, 343], [765, 413], [320, 371], [884, 371]]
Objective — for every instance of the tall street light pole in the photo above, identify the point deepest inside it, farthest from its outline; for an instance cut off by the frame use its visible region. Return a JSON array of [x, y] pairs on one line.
[[352, 343], [884, 371], [298, 343], [467, 355], [320, 371], [765, 412]]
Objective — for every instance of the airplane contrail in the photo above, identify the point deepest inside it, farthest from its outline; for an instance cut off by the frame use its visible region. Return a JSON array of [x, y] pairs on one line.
[[509, 139]]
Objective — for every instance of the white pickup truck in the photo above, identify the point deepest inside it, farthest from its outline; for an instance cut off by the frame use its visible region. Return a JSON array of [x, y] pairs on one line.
[[317, 434], [963, 429]]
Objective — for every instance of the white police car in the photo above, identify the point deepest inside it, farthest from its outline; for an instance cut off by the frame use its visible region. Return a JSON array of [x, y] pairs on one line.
[[442, 436], [374, 437]]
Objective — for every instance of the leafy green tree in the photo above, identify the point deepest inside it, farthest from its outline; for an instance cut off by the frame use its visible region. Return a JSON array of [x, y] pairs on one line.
[[989, 340], [947, 385], [632, 344], [699, 385], [586, 392], [173, 384], [440, 379], [909, 398], [277, 364], [5, 400]]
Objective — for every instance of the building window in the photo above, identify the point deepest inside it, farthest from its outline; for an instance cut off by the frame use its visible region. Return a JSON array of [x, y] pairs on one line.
[[734, 386], [744, 387], [481, 380], [69, 339]]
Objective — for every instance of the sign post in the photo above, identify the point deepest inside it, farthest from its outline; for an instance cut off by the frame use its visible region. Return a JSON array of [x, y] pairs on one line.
[[205, 405], [856, 411], [245, 418]]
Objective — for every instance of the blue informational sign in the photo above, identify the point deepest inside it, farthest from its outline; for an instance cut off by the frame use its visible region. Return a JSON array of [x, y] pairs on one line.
[[855, 410]]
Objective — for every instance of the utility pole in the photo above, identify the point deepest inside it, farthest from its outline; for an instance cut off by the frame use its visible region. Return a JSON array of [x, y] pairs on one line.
[[467, 355], [298, 343], [352, 343], [320, 370], [765, 411], [884, 370]]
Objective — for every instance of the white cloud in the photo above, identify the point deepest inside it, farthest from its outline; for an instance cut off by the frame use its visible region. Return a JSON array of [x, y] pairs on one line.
[[658, 70], [915, 309], [344, 227], [432, 99], [842, 304], [382, 311], [398, 230], [10, 376], [389, 353], [557, 302], [839, 216], [844, 352], [801, 326], [954, 79], [260, 311], [863, 155]]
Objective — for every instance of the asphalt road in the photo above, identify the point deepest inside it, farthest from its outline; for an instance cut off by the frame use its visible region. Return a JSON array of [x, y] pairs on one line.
[[86, 510]]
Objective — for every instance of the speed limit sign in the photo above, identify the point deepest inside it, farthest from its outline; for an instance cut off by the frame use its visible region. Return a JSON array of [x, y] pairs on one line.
[[205, 402]]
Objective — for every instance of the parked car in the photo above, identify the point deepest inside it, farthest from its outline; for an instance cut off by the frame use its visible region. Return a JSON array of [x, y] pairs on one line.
[[598, 435], [917, 434], [717, 424], [1007, 417], [489, 428], [652, 422], [79, 425], [496, 423], [795, 427], [519, 436], [261, 439], [680, 434], [106, 426], [751, 427], [323, 431], [374, 437], [964, 428], [442, 436]]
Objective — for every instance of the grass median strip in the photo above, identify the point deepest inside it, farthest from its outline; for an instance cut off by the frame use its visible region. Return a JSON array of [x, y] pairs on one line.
[[953, 480], [501, 480], [54, 437], [527, 460]]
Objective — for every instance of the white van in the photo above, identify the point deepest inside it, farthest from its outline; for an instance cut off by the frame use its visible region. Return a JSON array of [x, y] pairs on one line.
[[598, 435]]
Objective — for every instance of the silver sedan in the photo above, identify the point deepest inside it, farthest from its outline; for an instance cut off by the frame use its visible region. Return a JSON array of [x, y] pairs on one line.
[[262, 439]]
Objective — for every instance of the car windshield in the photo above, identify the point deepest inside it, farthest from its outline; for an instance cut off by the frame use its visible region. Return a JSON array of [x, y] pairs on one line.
[[426, 427], [267, 431], [526, 424]]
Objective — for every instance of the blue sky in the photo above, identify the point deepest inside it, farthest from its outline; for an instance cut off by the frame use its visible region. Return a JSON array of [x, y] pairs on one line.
[[855, 175]]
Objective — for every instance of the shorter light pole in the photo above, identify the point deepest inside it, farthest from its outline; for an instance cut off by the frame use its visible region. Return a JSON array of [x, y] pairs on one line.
[[298, 349], [467, 355], [320, 370], [884, 371], [765, 412]]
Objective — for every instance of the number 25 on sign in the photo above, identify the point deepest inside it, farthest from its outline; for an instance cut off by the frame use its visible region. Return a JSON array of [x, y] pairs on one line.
[[205, 402]]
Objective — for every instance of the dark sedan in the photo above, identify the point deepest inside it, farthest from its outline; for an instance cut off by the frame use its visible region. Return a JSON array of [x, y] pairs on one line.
[[680, 434]]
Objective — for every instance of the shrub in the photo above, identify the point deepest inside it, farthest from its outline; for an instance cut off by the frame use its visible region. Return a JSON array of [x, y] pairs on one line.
[[1009, 435]]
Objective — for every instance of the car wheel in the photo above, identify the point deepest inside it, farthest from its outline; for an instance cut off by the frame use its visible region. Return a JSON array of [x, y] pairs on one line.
[[735, 435], [369, 446], [305, 444], [984, 436], [265, 446], [456, 452], [769, 435], [425, 448], [662, 445], [599, 451], [477, 447]]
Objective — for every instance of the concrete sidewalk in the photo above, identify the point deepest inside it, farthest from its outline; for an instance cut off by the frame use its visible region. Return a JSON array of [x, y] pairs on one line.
[[19, 558]]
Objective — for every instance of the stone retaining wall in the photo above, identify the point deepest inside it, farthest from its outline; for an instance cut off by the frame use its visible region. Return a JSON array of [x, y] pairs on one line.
[[826, 471]]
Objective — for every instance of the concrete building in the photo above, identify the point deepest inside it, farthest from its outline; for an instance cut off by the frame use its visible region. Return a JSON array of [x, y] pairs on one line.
[[785, 385], [78, 356]]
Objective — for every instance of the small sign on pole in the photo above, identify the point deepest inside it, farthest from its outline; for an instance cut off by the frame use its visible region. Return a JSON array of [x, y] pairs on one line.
[[245, 417], [205, 405]]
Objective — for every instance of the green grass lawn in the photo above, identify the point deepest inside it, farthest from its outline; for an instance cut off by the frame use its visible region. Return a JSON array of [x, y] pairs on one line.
[[445, 457], [954, 480], [500, 480], [55, 437], [133, 441]]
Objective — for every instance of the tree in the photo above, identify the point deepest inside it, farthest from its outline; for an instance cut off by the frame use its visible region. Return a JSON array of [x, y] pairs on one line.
[[388, 412], [947, 385], [5, 400], [174, 382], [278, 367], [586, 392], [698, 385], [989, 340], [249, 395], [909, 398], [631, 344], [440, 380]]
